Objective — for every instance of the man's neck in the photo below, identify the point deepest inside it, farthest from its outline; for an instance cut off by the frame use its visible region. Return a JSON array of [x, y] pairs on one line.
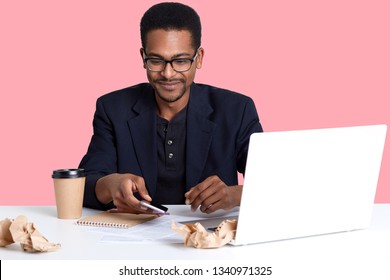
[[169, 110]]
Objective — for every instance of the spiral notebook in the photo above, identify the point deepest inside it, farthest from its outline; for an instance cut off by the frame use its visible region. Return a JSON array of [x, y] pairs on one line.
[[115, 220]]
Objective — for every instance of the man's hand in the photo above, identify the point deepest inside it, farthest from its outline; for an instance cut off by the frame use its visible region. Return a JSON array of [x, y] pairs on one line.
[[120, 189], [213, 194]]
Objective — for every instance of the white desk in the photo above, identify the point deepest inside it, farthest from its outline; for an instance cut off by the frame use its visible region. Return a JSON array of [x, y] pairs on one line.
[[360, 252]]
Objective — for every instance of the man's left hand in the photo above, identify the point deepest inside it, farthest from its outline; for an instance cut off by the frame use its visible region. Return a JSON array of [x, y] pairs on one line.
[[213, 194]]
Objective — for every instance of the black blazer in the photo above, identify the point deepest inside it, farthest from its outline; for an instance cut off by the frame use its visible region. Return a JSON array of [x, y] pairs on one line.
[[219, 124]]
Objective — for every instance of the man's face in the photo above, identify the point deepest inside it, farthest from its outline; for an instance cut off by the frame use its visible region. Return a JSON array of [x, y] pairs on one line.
[[171, 86]]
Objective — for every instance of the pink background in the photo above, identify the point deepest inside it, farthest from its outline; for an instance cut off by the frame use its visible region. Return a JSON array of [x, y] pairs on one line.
[[307, 64]]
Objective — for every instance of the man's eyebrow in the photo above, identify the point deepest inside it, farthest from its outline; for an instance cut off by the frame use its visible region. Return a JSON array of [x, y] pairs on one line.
[[175, 56]]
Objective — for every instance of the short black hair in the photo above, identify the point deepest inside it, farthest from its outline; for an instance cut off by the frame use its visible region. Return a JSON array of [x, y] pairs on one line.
[[172, 16]]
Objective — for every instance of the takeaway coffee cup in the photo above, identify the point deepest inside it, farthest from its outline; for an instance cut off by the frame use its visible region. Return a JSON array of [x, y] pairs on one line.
[[69, 192]]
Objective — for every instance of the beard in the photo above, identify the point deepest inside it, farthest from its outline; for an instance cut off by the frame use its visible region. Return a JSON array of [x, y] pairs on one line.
[[171, 97]]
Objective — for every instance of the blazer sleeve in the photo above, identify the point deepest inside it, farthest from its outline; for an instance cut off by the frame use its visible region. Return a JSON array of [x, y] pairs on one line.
[[100, 159], [250, 124]]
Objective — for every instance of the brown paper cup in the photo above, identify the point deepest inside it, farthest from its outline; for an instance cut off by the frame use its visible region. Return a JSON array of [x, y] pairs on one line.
[[69, 192]]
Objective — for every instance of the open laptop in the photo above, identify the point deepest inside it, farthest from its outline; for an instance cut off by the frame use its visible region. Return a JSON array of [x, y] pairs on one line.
[[309, 182]]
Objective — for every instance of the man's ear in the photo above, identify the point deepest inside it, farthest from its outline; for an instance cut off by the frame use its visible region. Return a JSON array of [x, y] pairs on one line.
[[199, 58], [142, 52]]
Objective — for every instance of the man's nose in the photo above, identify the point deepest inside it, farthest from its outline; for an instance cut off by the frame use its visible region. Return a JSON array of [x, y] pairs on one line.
[[168, 71]]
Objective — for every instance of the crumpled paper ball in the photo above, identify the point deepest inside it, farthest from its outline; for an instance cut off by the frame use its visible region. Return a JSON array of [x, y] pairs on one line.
[[195, 235], [5, 234], [20, 231]]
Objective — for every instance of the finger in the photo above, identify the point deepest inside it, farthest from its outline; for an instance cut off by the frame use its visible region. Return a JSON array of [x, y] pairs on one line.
[[197, 190], [123, 207], [213, 207], [140, 187], [191, 195], [212, 201], [188, 197], [216, 199], [206, 197], [136, 184], [127, 196]]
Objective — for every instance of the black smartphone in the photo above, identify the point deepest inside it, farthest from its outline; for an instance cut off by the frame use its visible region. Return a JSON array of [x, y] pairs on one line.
[[154, 206]]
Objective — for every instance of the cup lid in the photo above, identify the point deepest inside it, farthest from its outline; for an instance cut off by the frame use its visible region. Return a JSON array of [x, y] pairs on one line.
[[68, 173]]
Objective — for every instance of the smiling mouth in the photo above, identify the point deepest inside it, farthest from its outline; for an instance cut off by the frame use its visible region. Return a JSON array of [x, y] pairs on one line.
[[169, 85]]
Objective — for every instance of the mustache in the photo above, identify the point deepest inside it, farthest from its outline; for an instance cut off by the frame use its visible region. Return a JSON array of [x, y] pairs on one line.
[[169, 81]]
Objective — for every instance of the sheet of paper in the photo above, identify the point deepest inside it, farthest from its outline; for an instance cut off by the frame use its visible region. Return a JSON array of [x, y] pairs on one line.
[[155, 231], [158, 230]]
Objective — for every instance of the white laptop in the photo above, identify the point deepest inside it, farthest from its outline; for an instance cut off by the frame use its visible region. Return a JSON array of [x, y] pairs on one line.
[[309, 182]]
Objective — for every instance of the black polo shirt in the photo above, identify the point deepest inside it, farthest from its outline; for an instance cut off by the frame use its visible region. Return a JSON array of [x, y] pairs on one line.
[[171, 159]]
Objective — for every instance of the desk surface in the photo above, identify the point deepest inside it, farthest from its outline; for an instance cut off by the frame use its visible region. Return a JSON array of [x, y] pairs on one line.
[[77, 242]]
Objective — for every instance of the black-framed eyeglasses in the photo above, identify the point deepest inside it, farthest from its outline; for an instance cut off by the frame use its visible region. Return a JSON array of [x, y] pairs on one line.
[[178, 64]]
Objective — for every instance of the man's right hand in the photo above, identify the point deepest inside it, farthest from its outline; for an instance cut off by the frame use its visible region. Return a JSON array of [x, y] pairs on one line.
[[120, 189]]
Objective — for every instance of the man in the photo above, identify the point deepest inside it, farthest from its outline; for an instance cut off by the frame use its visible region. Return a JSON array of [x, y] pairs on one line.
[[169, 141]]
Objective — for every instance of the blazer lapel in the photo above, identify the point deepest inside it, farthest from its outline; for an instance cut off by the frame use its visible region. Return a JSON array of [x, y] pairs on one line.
[[199, 134], [143, 132]]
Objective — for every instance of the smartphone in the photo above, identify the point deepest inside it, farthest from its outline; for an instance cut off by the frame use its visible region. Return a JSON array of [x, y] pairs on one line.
[[154, 206]]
